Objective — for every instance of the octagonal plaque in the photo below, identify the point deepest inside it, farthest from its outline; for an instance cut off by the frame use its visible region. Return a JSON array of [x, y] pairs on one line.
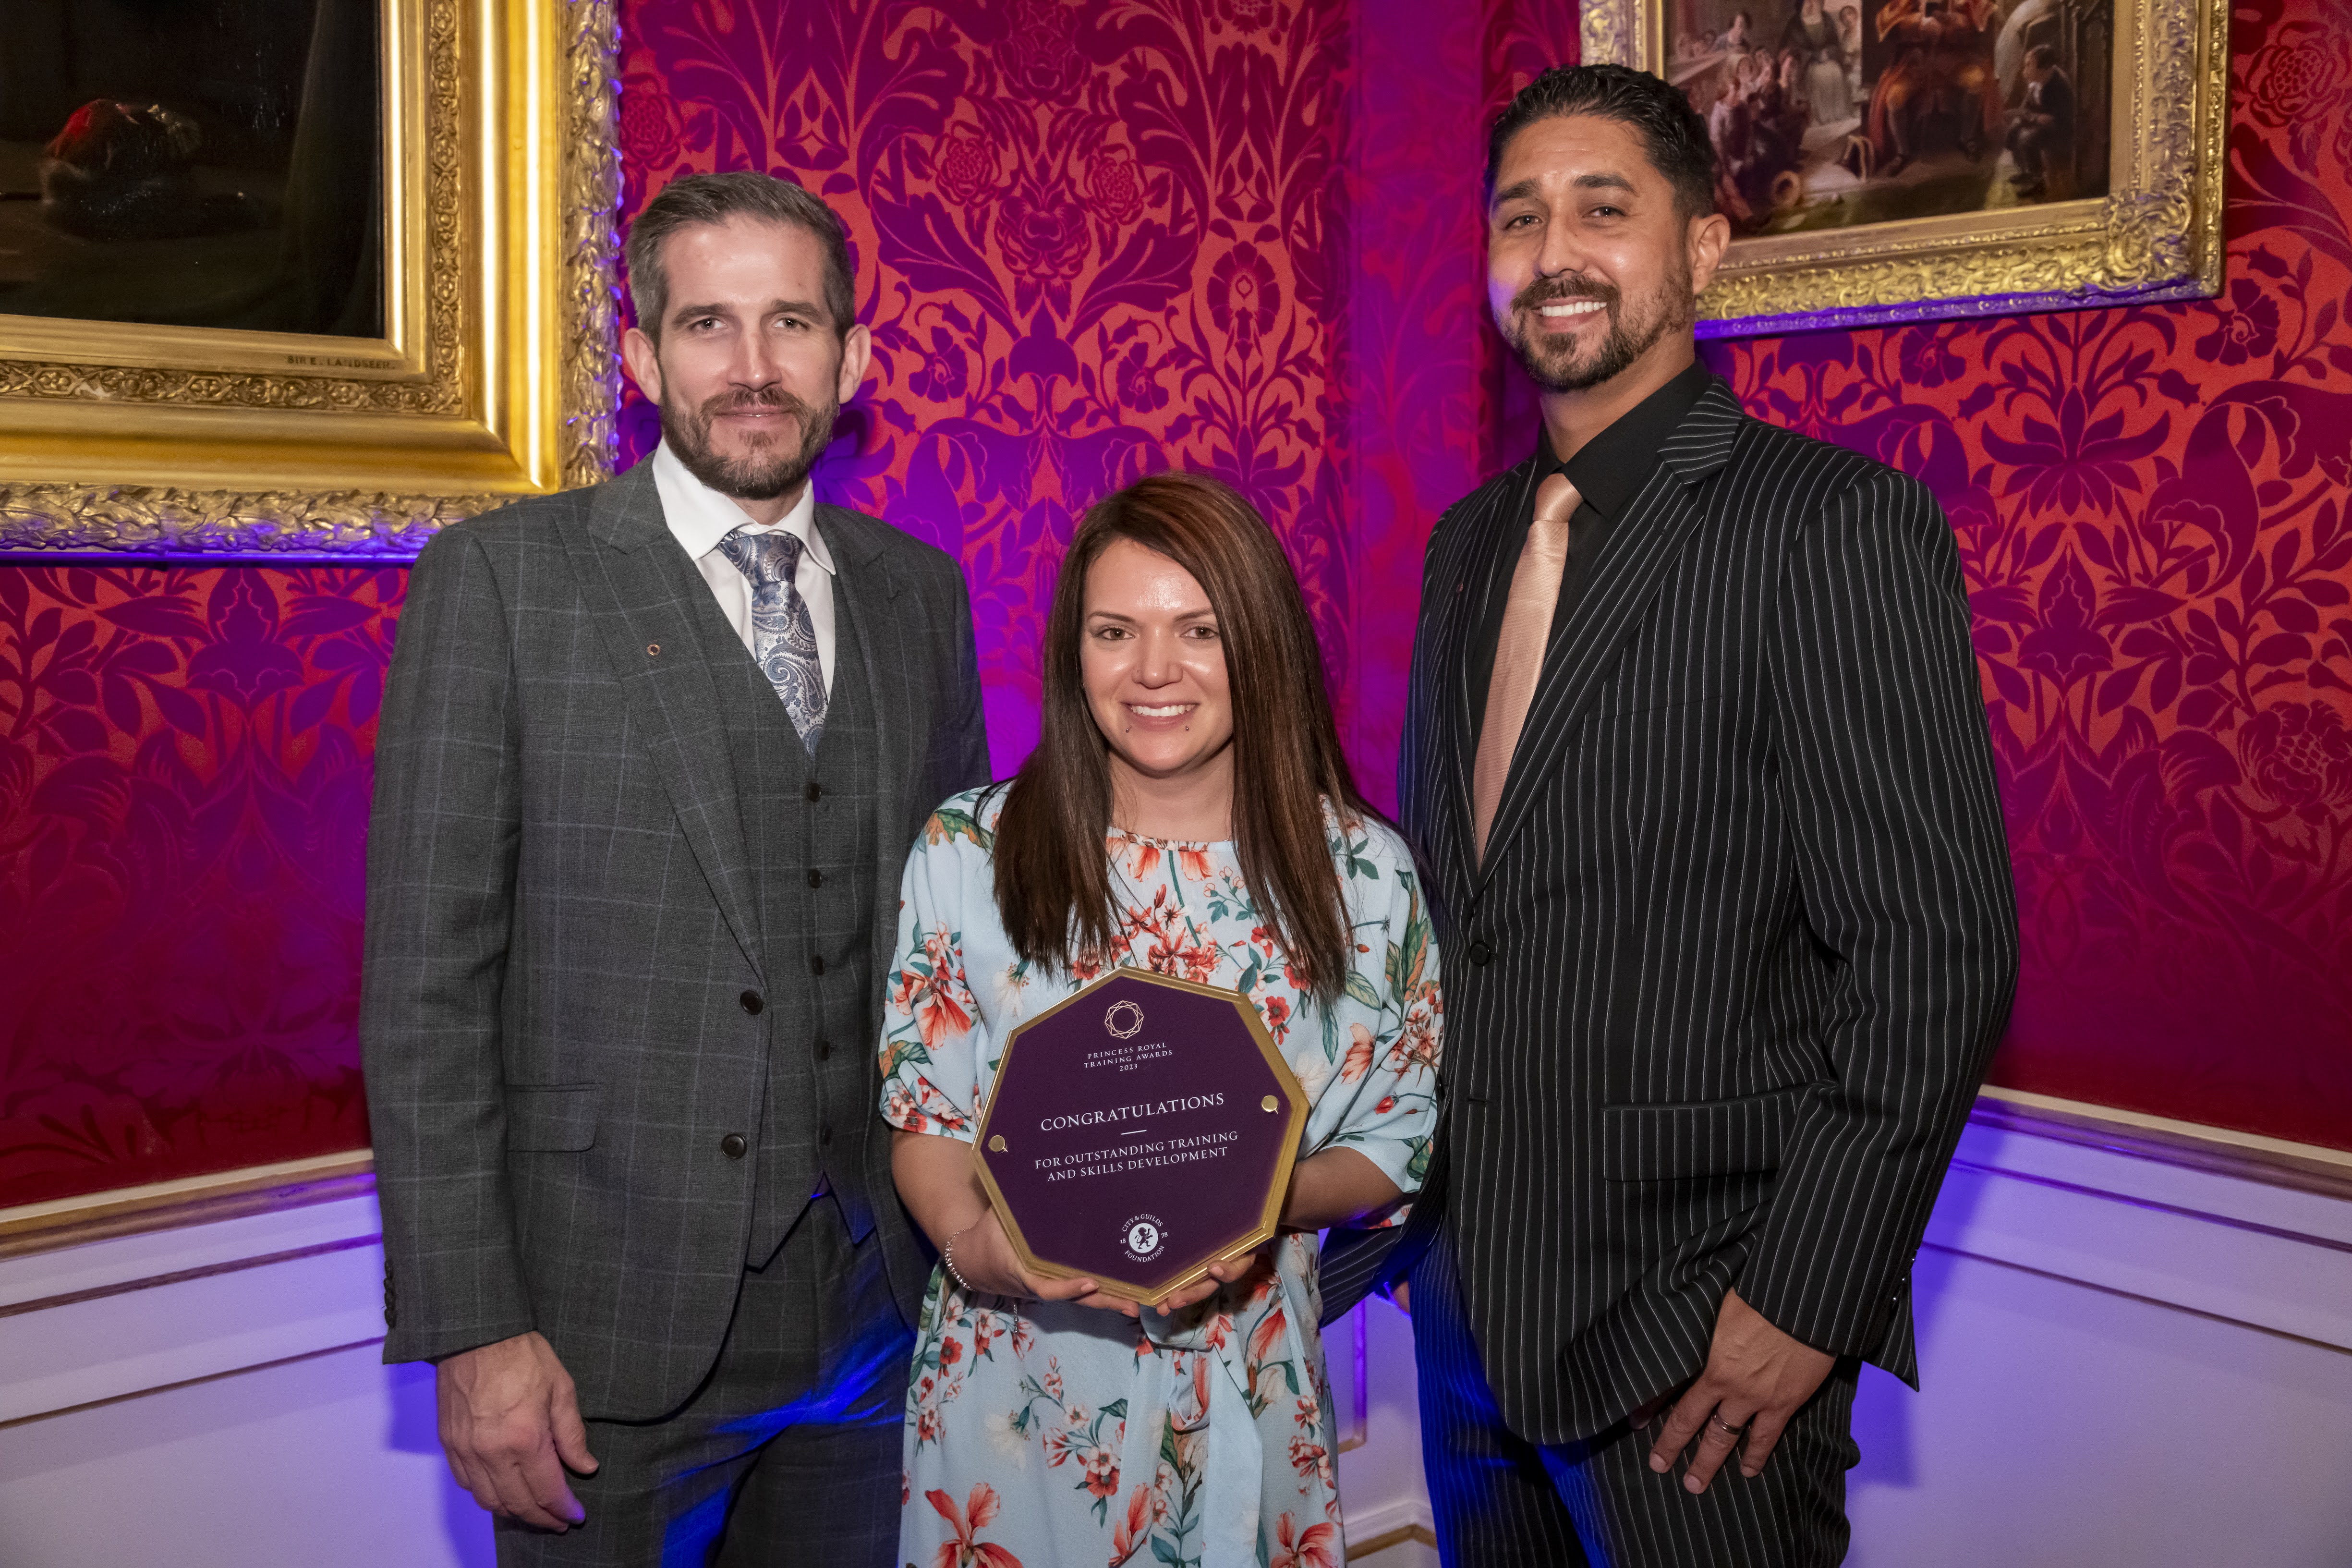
[[1140, 1131]]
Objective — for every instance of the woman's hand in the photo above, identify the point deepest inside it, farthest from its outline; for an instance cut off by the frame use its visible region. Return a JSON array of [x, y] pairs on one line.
[[985, 1260], [1244, 1266]]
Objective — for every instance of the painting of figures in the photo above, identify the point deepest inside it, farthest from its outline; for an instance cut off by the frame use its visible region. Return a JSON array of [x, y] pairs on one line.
[[192, 162], [1830, 113]]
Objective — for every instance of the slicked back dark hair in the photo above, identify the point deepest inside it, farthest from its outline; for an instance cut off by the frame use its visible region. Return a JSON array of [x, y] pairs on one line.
[[716, 199], [1671, 131]]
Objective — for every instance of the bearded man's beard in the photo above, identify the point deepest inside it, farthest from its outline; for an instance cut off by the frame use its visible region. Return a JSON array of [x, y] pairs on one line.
[[1562, 367], [768, 467]]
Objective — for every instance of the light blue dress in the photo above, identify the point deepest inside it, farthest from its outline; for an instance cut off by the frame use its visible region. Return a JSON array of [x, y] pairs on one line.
[[1050, 1434]]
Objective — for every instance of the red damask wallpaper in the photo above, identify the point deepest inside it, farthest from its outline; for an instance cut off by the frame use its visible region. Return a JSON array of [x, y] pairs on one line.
[[183, 796], [1096, 240], [2152, 506], [1240, 234]]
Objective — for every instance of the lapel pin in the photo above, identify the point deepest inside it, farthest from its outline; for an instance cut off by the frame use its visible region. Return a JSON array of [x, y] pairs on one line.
[[653, 647]]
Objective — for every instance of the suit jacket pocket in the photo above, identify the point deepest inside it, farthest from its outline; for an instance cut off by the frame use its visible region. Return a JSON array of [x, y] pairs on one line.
[[1697, 1138], [551, 1118], [1623, 706]]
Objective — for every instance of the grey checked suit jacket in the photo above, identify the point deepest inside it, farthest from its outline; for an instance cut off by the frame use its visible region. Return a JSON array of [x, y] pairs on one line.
[[1719, 1000], [559, 895]]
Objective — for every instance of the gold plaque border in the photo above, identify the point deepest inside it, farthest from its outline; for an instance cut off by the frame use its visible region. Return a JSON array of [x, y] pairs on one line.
[[497, 375], [2157, 236], [1270, 1214]]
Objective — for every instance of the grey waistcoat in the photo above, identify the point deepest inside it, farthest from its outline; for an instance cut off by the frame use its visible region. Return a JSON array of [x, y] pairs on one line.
[[808, 835]]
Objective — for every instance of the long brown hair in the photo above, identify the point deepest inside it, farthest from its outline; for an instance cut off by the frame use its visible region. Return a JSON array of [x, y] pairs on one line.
[[1052, 873]]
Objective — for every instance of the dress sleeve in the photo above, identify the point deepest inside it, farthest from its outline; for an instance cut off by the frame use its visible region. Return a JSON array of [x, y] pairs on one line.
[[933, 1041], [1381, 1103]]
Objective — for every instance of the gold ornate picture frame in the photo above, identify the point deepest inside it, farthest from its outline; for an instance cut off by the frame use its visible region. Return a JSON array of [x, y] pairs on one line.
[[1956, 81], [495, 374]]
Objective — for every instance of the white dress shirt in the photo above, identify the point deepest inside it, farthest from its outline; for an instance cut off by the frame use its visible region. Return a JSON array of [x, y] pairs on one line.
[[699, 516]]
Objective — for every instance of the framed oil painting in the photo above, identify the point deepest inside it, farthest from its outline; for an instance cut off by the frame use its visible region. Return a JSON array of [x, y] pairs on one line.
[[1890, 160], [299, 278]]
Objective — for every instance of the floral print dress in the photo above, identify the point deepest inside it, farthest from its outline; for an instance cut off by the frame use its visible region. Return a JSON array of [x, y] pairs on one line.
[[1050, 1434]]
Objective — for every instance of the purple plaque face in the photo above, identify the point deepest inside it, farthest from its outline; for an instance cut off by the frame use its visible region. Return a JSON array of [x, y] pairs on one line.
[[1138, 1131]]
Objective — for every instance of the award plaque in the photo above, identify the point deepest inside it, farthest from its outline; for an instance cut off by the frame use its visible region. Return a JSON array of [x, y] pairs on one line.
[[1138, 1131]]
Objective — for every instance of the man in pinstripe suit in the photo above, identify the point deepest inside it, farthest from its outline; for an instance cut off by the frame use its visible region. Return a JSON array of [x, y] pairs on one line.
[[1695, 749], [651, 758]]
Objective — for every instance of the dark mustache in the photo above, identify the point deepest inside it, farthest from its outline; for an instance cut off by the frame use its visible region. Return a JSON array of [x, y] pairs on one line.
[[765, 397], [1544, 290]]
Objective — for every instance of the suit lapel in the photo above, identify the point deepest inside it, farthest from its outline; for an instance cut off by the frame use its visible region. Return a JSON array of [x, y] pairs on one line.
[[866, 588], [1463, 584], [638, 585], [1626, 579]]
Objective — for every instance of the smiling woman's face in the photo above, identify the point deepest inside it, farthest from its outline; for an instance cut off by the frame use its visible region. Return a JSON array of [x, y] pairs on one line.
[[1154, 664]]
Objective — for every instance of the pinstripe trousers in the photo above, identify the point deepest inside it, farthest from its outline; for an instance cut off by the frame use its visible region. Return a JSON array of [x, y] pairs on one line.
[[1504, 1502], [788, 1454]]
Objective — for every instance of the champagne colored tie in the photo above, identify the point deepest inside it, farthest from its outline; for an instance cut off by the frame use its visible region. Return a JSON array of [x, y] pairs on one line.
[[1520, 649]]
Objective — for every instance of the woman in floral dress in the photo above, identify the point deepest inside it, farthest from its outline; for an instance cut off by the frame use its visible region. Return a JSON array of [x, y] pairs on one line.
[[1187, 811]]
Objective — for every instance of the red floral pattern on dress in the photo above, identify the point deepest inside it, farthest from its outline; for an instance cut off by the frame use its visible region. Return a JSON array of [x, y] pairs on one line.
[[1238, 1382], [1314, 1546], [966, 1551]]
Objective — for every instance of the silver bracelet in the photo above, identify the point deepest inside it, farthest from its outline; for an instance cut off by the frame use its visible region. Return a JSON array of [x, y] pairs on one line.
[[947, 1256]]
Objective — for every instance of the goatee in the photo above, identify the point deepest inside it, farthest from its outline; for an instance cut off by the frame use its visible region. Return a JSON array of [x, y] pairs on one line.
[[768, 467], [1555, 367]]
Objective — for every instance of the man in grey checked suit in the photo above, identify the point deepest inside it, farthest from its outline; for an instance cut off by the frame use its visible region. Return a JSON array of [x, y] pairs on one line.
[[652, 755], [1695, 750]]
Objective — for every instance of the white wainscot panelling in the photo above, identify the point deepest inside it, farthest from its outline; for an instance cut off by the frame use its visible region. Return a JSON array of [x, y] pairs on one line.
[[211, 1396], [2127, 1359], [1380, 1488]]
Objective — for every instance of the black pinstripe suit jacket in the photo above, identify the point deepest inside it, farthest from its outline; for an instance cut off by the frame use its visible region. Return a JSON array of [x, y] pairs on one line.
[[1719, 1001]]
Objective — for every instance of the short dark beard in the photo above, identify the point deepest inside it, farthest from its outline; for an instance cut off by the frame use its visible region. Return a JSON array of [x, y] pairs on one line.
[[1627, 340], [769, 470]]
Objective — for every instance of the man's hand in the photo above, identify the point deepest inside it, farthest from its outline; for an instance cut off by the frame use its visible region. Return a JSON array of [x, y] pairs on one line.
[[510, 1424], [1754, 1373]]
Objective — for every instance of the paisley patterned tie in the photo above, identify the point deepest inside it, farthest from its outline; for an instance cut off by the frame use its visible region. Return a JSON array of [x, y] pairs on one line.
[[783, 638]]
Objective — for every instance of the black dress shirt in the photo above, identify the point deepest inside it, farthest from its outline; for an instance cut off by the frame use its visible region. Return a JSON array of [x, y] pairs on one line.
[[1608, 472]]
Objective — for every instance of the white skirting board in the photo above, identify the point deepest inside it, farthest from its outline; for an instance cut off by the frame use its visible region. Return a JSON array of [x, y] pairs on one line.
[[2128, 1358]]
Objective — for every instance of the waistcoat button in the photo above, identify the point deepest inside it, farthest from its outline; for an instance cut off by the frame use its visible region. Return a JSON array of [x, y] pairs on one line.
[[1481, 954], [823, 1050], [816, 879], [815, 791], [733, 1145], [816, 965], [752, 1002]]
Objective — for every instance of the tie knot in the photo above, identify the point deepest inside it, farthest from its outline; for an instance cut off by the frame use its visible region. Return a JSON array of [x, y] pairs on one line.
[[764, 558], [1556, 499]]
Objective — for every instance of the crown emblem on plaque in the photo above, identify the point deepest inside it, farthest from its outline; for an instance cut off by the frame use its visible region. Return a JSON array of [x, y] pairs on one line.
[[1122, 1020]]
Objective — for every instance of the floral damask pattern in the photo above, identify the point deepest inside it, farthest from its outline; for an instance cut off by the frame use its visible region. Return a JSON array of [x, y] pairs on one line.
[[1095, 241], [183, 794], [2151, 504], [2155, 512]]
